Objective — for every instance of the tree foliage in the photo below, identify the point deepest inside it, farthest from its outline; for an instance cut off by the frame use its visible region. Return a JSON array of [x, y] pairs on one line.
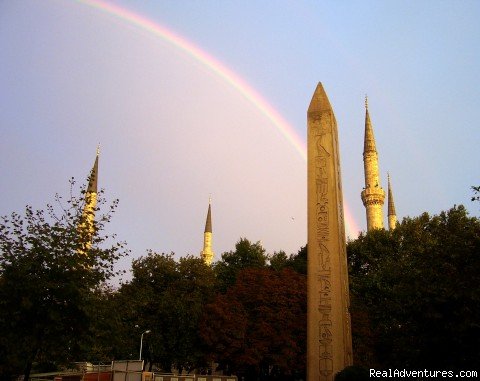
[[183, 302], [259, 325], [476, 191], [296, 262], [246, 255], [415, 300], [416, 291], [167, 297], [47, 276]]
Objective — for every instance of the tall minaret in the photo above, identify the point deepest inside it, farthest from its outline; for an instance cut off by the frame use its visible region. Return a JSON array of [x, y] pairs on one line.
[[207, 253], [373, 195], [392, 216], [88, 215]]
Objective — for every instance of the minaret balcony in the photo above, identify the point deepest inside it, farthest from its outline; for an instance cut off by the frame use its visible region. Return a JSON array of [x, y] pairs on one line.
[[373, 192], [373, 196]]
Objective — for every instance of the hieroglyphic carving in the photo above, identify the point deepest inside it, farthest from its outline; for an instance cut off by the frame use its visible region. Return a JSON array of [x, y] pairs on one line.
[[321, 126]]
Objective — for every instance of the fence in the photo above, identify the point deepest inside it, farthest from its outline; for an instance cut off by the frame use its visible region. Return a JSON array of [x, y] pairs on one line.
[[129, 370], [193, 377]]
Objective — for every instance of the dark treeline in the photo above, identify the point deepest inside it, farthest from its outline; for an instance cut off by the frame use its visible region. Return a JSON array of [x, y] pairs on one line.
[[415, 300], [240, 313]]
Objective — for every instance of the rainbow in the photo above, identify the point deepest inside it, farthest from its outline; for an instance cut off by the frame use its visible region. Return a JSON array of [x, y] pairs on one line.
[[224, 73]]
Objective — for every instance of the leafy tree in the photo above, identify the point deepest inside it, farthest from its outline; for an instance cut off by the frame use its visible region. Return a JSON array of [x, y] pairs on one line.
[[48, 272], [108, 337], [476, 191], [258, 327], [167, 297], [297, 262], [416, 289], [246, 255], [278, 261]]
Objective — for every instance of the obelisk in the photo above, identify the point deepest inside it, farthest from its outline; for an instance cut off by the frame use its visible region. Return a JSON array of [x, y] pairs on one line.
[[329, 342]]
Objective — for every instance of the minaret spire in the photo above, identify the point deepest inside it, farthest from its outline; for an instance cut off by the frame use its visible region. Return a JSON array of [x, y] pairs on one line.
[[373, 195], [392, 216], [93, 179], [207, 253], [208, 222], [88, 215]]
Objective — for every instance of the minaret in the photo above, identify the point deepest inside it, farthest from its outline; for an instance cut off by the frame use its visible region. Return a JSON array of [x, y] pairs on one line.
[[88, 214], [373, 195], [207, 253], [392, 216]]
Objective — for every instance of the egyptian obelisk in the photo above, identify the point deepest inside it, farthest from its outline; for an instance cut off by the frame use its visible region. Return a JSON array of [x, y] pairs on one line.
[[329, 342]]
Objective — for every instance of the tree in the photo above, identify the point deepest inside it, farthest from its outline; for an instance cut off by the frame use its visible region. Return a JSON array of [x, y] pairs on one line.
[[297, 262], [278, 261], [168, 297], [47, 276], [246, 255], [107, 337], [417, 289], [258, 327], [476, 191]]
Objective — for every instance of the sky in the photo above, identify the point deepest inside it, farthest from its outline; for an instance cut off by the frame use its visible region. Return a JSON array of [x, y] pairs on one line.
[[196, 99]]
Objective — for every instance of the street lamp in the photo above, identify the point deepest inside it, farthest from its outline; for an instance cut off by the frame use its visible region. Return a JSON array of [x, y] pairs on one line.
[[141, 341]]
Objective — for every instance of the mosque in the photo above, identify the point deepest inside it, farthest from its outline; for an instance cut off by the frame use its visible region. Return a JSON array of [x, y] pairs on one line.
[[373, 195]]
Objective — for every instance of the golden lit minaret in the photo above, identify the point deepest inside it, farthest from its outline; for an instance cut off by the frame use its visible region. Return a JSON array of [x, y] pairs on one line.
[[207, 253], [88, 215], [373, 195], [392, 216]]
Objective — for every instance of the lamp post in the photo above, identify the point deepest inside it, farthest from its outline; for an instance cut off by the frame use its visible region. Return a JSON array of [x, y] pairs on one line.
[[141, 341]]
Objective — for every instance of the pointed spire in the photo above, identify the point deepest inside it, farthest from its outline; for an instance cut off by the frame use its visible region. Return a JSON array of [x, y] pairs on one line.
[[93, 179], [207, 254], [369, 142], [208, 223], [319, 102], [392, 215], [391, 203], [87, 225]]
